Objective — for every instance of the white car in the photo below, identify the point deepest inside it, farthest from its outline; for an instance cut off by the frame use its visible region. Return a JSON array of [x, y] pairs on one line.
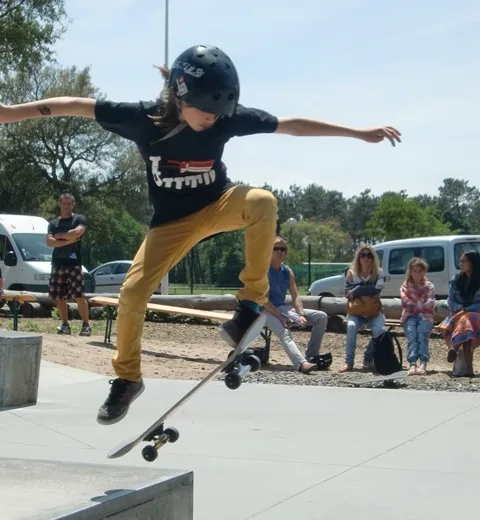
[[109, 277]]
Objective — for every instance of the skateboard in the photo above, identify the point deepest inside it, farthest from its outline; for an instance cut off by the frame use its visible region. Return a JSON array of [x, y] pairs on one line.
[[239, 362], [402, 374]]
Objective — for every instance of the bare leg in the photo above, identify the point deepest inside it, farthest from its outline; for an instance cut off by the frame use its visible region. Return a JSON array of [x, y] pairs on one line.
[[62, 310], [83, 309]]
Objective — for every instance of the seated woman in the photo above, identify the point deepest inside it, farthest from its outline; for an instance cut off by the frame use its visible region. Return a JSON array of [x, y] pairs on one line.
[[282, 279], [461, 330], [363, 284]]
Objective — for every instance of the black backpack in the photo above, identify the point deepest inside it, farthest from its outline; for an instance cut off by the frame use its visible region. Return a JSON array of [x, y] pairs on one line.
[[384, 357]]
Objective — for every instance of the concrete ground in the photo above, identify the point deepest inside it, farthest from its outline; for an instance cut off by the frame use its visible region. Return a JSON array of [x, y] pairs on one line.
[[273, 452]]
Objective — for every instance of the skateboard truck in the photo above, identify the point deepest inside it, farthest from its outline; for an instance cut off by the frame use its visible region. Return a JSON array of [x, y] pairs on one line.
[[236, 371], [159, 437]]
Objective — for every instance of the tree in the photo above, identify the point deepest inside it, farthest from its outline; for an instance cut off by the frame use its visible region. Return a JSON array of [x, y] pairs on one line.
[[130, 189], [455, 202], [289, 203], [112, 234], [359, 210], [70, 153], [328, 242], [28, 29], [398, 217]]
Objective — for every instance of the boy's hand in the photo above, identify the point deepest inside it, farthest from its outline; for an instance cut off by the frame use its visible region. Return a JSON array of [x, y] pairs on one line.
[[377, 135]]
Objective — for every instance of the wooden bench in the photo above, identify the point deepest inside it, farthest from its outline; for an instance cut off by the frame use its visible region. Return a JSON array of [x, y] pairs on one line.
[[16, 299], [111, 304]]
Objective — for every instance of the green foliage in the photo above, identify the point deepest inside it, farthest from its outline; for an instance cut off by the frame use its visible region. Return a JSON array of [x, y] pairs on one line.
[[69, 154], [28, 29], [329, 243], [112, 234], [398, 217]]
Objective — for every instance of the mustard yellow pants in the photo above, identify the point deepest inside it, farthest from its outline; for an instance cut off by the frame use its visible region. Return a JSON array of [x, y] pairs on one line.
[[164, 246]]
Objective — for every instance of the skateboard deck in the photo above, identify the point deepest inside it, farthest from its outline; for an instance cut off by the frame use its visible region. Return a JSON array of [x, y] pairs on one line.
[[236, 367], [379, 378]]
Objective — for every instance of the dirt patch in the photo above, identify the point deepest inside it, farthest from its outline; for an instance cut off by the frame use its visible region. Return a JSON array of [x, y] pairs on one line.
[[187, 351]]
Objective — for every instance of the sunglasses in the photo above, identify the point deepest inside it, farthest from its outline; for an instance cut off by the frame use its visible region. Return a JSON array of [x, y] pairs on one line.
[[366, 255], [283, 249]]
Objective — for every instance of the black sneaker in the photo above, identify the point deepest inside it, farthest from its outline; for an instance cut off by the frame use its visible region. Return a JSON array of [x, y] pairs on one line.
[[64, 329], [122, 394], [86, 330], [232, 331]]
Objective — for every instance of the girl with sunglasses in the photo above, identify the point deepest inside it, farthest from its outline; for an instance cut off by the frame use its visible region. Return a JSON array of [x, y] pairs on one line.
[[282, 280], [364, 278]]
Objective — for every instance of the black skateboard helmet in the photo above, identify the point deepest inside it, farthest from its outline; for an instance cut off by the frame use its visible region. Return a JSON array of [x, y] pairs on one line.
[[206, 78]]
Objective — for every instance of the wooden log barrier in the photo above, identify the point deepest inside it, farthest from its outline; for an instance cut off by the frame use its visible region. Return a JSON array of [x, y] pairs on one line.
[[226, 302]]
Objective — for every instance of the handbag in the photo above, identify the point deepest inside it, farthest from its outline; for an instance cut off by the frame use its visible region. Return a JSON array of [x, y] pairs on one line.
[[364, 306]]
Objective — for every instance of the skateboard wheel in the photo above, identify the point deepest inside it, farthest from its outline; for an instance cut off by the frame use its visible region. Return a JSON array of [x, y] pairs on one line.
[[233, 380], [149, 453], [254, 363], [172, 434]]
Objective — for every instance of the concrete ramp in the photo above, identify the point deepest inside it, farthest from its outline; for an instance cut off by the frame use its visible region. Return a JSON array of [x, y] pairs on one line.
[[45, 490]]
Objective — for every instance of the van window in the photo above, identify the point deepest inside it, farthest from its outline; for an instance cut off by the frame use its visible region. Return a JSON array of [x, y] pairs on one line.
[[33, 247], [463, 247], [380, 256], [433, 255]]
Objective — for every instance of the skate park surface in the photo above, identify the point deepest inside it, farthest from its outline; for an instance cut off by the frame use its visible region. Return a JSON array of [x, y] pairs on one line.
[[260, 452]]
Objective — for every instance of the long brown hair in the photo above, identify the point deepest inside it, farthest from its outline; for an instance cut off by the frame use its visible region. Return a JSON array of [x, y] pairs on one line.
[[168, 115], [414, 262]]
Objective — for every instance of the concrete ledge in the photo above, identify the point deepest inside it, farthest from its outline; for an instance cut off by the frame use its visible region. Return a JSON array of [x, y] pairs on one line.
[[44, 490], [20, 357]]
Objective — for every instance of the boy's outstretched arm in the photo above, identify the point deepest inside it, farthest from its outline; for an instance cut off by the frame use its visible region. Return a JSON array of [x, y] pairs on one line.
[[310, 127], [52, 107]]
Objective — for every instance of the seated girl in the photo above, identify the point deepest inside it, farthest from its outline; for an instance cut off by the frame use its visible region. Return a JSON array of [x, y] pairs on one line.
[[461, 330]]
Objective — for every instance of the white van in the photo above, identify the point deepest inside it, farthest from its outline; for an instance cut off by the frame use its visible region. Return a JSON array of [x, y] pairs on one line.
[[442, 254], [25, 258]]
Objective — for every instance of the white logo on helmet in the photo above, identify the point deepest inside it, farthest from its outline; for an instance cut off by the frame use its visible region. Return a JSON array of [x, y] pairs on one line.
[[189, 69]]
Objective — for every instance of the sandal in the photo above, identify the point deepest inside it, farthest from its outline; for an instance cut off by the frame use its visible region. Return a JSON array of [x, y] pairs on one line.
[[413, 370], [306, 367], [346, 368]]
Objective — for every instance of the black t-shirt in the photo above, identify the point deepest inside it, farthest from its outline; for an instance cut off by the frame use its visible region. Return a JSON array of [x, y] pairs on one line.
[[66, 255], [185, 172]]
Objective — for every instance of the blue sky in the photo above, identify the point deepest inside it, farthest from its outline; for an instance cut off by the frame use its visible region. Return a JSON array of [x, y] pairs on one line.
[[413, 65]]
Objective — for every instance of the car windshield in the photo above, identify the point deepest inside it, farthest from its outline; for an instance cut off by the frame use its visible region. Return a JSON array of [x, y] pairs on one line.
[[464, 247], [32, 247]]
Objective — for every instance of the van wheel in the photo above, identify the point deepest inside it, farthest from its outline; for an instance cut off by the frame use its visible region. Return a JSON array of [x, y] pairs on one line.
[[326, 295]]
